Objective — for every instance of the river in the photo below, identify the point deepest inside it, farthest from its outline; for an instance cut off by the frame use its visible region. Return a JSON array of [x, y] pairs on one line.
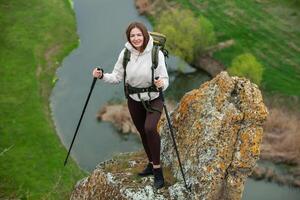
[[101, 25]]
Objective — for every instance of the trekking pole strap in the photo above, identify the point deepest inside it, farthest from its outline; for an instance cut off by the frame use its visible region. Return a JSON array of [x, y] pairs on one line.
[[102, 72]]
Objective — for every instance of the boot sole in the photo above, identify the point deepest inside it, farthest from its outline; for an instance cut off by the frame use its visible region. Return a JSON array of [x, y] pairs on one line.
[[159, 186], [144, 175]]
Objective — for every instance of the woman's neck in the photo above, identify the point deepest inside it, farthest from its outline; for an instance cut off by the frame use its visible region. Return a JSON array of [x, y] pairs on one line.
[[139, 49]]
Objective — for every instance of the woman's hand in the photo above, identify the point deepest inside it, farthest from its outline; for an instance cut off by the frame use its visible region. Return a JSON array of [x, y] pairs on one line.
[[159, 83], [97, 73]]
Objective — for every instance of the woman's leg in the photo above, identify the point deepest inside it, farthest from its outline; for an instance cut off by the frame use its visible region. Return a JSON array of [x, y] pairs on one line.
[[152, 135], [138, 115]]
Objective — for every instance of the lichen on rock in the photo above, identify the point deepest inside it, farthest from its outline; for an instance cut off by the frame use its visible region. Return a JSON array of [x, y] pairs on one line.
[[218, 130]]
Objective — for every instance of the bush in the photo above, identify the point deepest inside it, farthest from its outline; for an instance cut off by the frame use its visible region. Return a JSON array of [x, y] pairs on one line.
[[247, 66], [187, 35]]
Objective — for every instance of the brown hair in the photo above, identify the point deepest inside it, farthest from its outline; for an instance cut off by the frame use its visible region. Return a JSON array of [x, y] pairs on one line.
[[144, 31]]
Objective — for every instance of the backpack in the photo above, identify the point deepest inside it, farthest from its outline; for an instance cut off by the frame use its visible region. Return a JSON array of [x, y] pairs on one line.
[[159, 41]]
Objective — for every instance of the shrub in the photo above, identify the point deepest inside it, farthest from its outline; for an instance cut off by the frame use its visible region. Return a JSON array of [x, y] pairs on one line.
[[187, 35], [246, 65]]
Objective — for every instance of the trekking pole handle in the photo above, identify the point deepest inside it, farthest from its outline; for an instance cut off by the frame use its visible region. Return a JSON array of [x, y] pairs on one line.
[[160, 91], [102, 71]]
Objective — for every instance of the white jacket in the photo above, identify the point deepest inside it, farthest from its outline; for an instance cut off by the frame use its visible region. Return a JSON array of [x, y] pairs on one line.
[[138, 70]]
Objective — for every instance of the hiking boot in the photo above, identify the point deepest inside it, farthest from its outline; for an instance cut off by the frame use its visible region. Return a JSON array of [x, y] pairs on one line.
[[147, 171], [159, 181]]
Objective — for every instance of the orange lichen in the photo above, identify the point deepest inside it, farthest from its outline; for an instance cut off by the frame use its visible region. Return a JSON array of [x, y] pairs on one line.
[[256, 141], [244, 146]]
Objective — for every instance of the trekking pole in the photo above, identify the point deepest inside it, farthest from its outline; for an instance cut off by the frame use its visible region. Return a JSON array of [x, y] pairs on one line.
[[86, 102], [172, 135]]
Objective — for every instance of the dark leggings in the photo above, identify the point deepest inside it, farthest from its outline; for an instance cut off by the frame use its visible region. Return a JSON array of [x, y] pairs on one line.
[[146, 124]]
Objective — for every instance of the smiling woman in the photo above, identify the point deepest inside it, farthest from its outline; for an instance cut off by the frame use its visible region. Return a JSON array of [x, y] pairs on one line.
[[31, 156], [137, 39], [144, 103]]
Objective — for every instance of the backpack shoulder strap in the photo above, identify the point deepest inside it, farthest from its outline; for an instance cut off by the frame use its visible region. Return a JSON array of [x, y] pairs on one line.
[[155, 51], [126, 59], [154, 56]]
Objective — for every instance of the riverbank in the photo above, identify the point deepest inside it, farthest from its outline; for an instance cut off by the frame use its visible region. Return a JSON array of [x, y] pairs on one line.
[[31, 154]]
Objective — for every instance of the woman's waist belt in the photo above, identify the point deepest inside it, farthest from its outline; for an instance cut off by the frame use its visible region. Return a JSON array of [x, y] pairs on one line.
[[135, 90]]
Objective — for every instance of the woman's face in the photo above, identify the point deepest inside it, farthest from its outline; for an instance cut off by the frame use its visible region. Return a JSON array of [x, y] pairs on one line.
[[136, 38]]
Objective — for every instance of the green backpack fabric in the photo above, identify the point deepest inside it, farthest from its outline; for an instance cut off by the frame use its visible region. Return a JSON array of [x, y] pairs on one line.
[[159, 41]]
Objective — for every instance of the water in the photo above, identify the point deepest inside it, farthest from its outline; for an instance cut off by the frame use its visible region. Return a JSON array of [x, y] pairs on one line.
[[101, 25], [101, 40], [261, 190]]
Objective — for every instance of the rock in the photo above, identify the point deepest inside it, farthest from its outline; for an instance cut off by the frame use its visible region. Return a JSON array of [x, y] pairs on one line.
[[151, 7], [209, 64], [143, 6], [271, 175], [119, 115], [114, 179], [218, 130], [259, 173]]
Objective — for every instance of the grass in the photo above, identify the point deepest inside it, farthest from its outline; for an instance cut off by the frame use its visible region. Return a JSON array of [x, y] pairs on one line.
[[35, 36], [268, 29]]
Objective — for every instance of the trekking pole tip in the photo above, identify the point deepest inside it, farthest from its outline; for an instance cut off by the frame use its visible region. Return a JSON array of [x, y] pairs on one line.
[[189, 188], [65, 163]]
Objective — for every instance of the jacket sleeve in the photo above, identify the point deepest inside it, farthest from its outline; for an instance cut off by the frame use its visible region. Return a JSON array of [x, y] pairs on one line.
[[118, 72], [161, 70]]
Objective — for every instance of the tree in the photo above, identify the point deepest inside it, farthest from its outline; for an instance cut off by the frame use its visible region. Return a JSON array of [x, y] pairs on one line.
[[247, 66], [187, 36]]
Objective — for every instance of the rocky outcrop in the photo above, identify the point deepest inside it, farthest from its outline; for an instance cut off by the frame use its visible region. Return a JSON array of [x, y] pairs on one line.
[[209, 64], [119, 115], [270, 174], [116, 179], [218, 129], [143, 6], [151, 7]]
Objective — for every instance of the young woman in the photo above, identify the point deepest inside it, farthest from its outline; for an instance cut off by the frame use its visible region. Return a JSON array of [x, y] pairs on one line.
[[144, 102]]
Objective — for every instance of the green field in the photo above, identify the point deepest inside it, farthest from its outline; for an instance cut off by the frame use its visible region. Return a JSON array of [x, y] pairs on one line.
[[35, 36], [268, 29]]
